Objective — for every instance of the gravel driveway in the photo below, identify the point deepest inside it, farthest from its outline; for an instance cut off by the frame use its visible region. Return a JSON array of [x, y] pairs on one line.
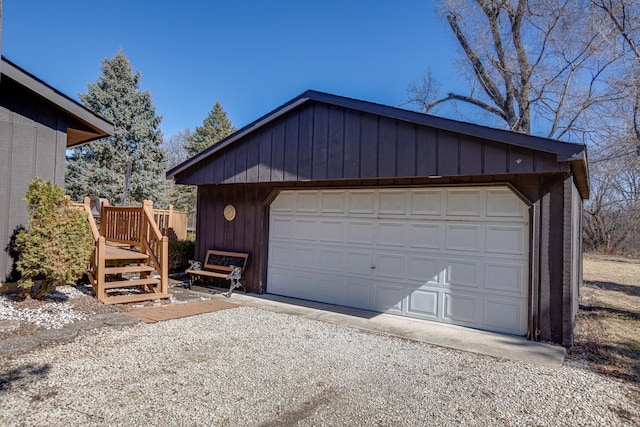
[[250, 367]]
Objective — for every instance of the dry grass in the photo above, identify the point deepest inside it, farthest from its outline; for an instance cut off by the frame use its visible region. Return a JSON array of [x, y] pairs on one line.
[[607, 330]]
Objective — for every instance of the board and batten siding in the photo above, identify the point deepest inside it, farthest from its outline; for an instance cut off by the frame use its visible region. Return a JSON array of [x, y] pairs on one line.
[[248, 232], [32, 143], [324, 142]]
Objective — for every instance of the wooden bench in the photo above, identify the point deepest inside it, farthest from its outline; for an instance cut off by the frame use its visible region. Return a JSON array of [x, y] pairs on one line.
[[219, 264]]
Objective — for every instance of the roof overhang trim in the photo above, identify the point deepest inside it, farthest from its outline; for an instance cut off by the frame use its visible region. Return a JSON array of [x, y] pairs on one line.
[[575, 154], [96, 126]]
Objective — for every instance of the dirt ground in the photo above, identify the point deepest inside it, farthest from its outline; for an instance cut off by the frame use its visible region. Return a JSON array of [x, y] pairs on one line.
[[607, 333]]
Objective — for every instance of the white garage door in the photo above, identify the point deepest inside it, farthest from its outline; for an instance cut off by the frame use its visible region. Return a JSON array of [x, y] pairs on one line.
[[454, 255]]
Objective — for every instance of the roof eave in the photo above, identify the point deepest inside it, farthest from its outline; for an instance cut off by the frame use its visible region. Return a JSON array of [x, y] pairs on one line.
[[238, 134], [99, 126]]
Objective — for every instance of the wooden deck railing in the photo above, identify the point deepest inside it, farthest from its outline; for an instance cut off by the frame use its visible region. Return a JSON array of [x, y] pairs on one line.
[[121, 224]]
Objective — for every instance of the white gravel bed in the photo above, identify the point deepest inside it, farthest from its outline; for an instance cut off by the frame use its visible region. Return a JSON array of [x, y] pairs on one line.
[[249, 367], [52, 315]]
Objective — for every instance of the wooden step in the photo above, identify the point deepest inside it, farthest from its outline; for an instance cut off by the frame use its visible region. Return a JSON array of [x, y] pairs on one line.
[[112, 253], [123, 299], [130, 283], [128, 269]]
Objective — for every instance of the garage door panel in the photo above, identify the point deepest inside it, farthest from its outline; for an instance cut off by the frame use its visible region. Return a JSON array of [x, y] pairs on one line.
[[463, 238], [279, 283], [302, 285], [388, 298], [328, 290], [504, 240], [460, 307], [360, 232], [392, 202], [425, 236], [283, 203], [391, 234], [330, 260], [503, 203], [361, 202], [358, 263], [505, 315], [333, 202], [464, 202], [455, 255], [425, 269], [280, 255], [306, 229], [282, 228], [423, 303], [461, 272], [331, 231], [357, 294], [304, 258], [507, 277], [307, 202], [389, 265], [426, 202]]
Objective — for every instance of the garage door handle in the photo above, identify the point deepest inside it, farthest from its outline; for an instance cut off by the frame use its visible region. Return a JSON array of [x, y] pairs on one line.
[[373, 267]]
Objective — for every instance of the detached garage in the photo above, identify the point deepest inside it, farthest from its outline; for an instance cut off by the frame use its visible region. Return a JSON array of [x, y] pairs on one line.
[[363, 205]]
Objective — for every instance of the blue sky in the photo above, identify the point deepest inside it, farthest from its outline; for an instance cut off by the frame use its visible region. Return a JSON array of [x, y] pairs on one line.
[[252, 56]]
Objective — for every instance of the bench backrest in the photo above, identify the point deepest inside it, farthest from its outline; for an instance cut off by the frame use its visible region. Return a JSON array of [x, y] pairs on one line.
[[222, 260]]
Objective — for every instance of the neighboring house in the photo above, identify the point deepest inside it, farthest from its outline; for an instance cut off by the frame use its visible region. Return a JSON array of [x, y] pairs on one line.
[[364, 205], [37, 125]]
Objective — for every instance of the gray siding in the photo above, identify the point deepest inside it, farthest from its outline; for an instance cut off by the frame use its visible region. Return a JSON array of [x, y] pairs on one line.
[[322, 142], [32, 143]]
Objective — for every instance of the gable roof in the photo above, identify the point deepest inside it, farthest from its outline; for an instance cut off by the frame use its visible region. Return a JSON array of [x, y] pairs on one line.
[[574, 154], [93, 126]]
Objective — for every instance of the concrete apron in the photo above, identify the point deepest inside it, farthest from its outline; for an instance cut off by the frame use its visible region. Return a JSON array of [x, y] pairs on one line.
[[493, 344]]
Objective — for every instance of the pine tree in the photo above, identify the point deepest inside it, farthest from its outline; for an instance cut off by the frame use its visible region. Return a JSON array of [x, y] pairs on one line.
[[99, 168], [214, 128]]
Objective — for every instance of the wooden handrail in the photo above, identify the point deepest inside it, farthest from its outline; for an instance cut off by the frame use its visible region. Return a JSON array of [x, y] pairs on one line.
[[86, 206], [154, 244]]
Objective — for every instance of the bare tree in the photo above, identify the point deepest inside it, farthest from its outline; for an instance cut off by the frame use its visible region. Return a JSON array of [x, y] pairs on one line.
[[181, 196], [538, 59], [175, 147], [612, 216]]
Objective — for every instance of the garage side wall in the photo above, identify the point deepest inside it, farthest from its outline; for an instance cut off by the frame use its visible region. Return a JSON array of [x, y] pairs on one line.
[[32, 143]]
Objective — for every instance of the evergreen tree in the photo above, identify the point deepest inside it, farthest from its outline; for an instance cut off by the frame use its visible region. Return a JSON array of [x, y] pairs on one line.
[[99, 168], [214, 128]]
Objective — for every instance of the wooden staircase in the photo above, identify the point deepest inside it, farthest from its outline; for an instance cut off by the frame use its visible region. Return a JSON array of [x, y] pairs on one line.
[[130, 259]]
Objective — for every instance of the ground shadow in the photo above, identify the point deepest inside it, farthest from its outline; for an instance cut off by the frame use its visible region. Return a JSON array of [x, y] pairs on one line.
[[603, 311], [611, 286], [22, 375]]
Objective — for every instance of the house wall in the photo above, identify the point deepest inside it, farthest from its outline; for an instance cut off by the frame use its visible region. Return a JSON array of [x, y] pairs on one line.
[[32, 143], [547, 194]]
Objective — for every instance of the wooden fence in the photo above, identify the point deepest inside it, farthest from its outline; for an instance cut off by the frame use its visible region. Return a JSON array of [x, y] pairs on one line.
[[172, 223]]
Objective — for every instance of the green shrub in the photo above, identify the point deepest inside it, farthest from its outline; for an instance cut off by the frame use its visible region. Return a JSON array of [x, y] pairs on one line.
[[57, 244], [180, 252]]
